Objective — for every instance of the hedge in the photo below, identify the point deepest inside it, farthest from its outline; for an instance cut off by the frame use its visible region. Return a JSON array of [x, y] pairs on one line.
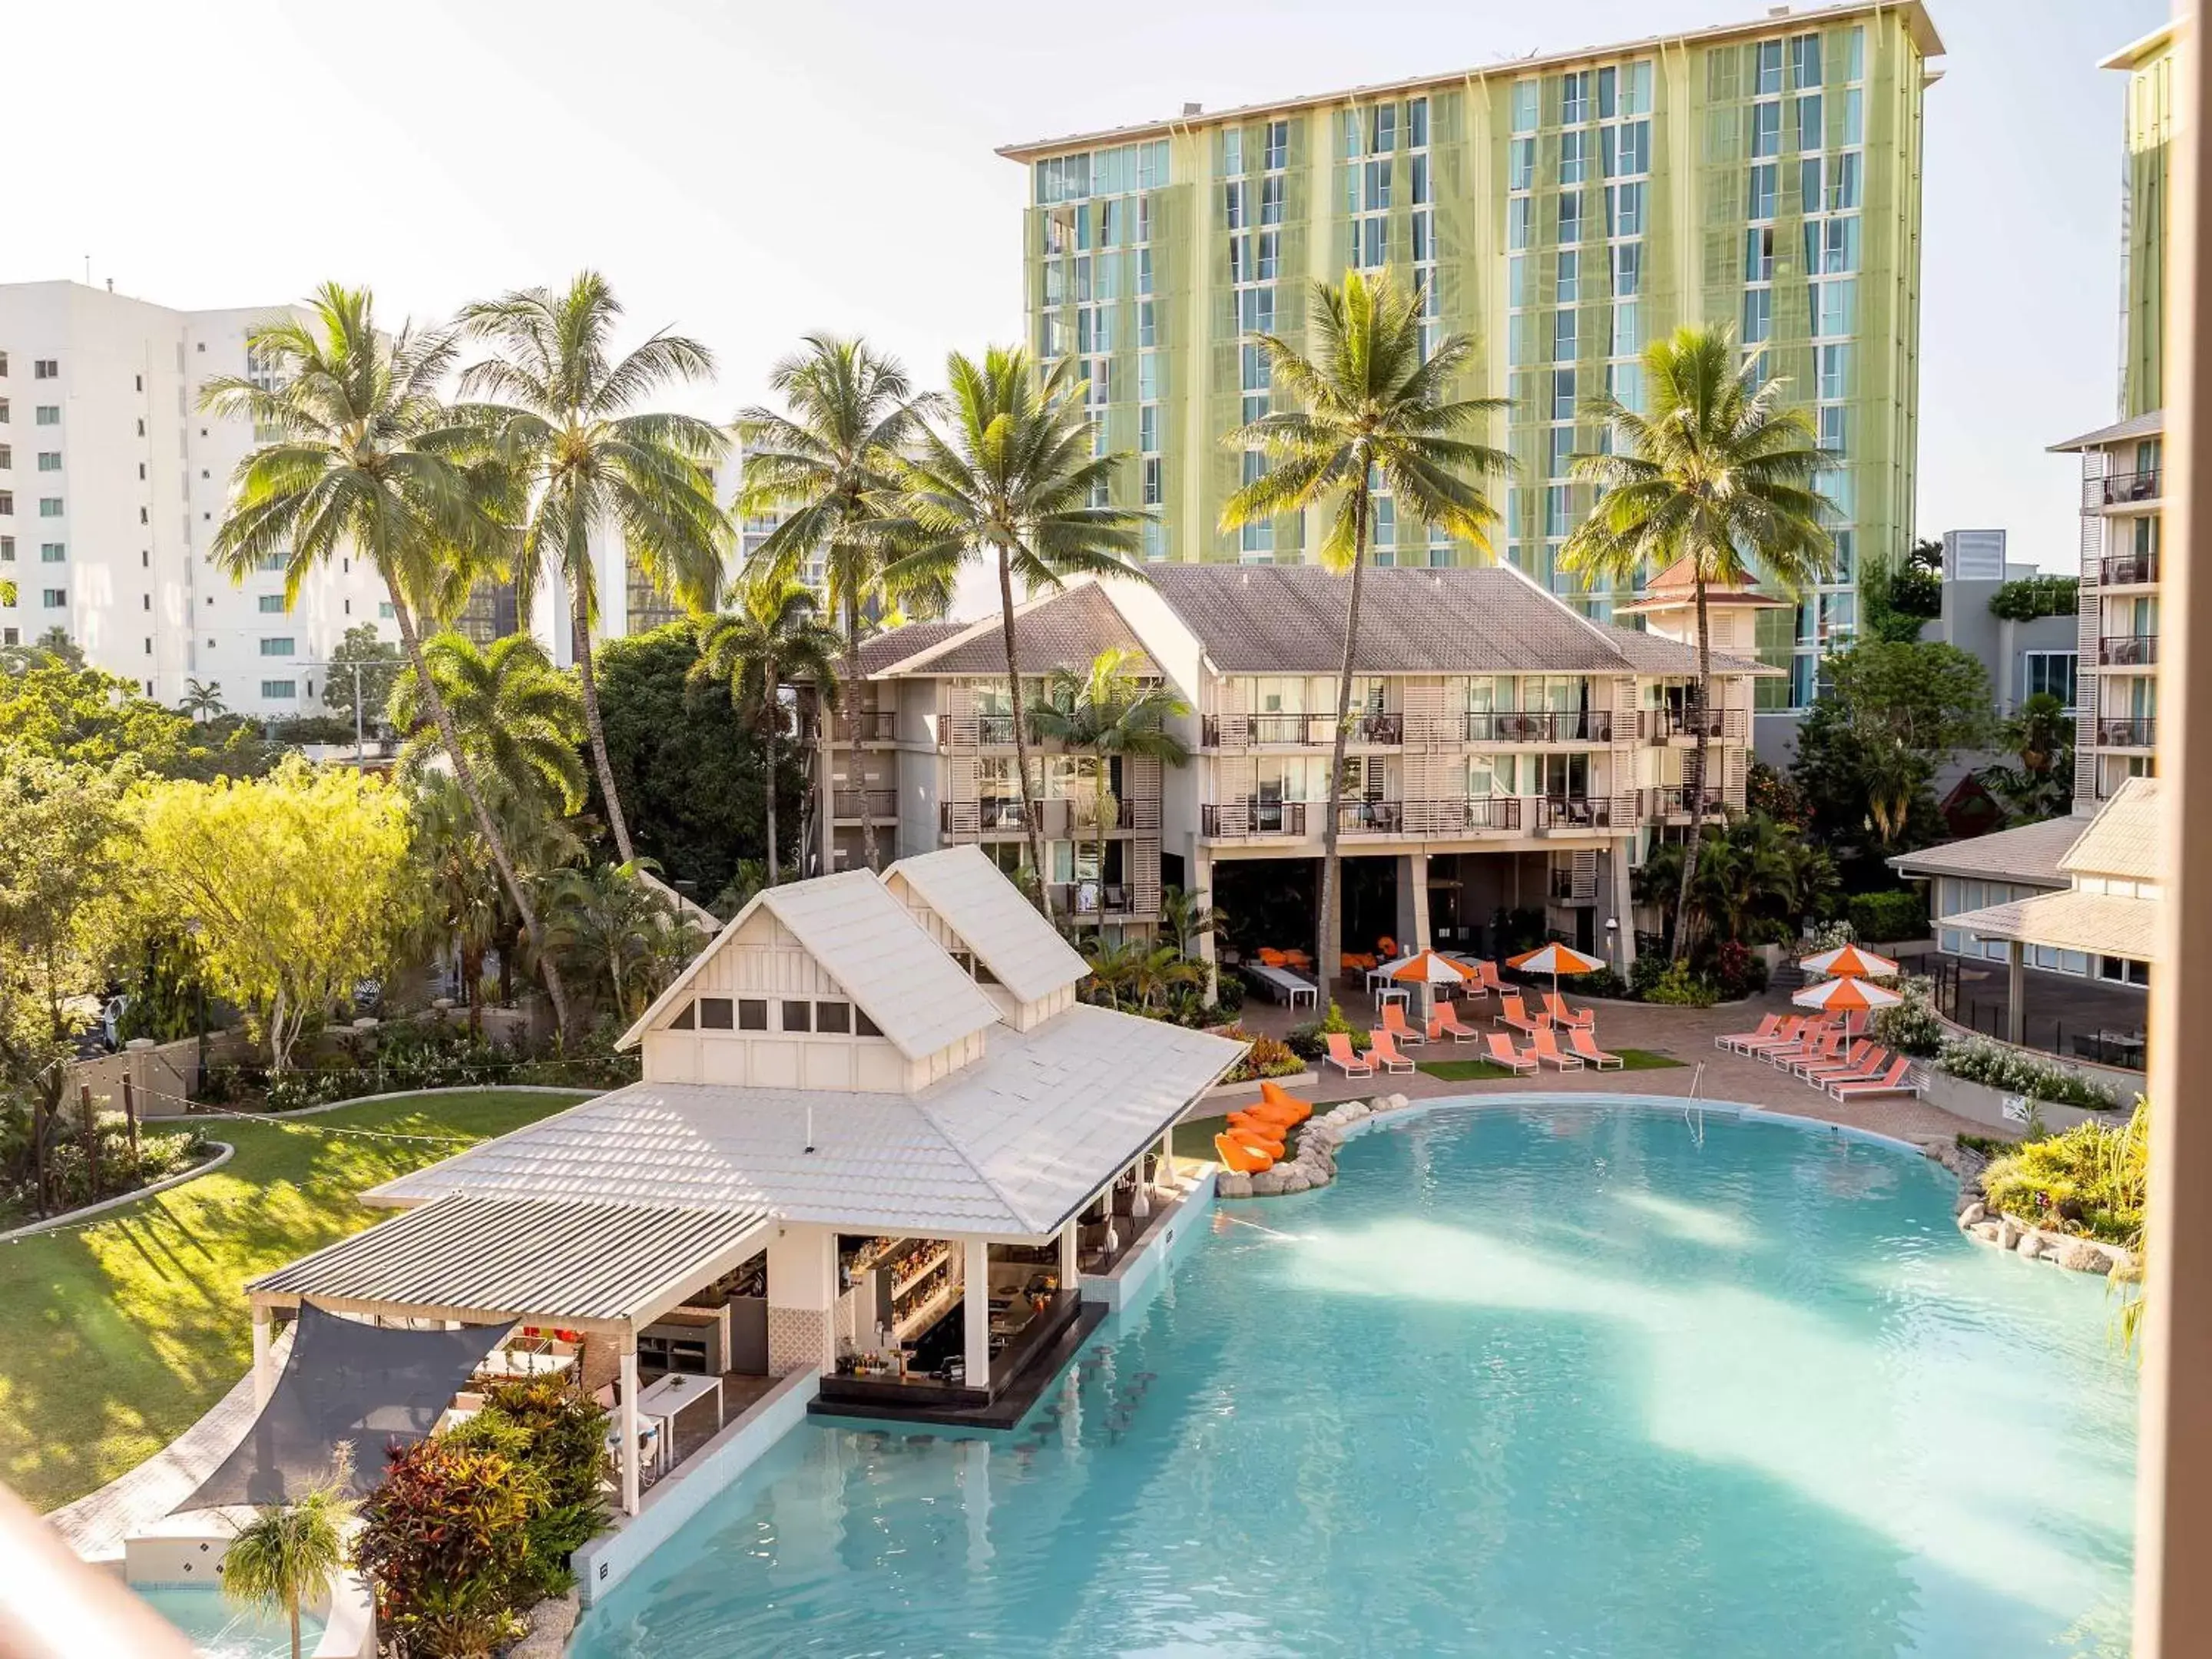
[[1897, 914]]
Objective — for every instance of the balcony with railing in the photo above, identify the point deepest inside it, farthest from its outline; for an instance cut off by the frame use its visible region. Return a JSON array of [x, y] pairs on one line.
[[1094, 901], [850, 806], [2127, 732], [2127, 650], [1540, 725], [2138, 489], [1674, 801], [1252, 817], [2127, 570], [868, 725], [1298, 731], [1574, 813], [1661, 724], [1007, 814]]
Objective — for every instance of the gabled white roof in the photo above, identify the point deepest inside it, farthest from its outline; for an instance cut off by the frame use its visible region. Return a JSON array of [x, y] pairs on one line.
[[974, 898], [2122, 839], [866, 940], [1011, 1146]]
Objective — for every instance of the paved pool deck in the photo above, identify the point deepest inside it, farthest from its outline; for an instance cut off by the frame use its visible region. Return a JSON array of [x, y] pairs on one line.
[[1683, 1033]]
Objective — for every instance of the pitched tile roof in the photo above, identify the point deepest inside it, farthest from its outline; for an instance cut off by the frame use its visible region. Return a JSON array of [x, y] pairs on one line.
[[968, 893], [2103, 924], [886, 651], [1011, 1145], [2122, 839], [1066, 630], [2029, 855], [1289, 619], [2146, 425]]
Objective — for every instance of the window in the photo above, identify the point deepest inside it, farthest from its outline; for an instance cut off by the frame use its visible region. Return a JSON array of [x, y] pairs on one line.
[[4, 411], [1574, 97], [686, 1020], [1563, 394], [47, 414], [1757, 315], [798, 1016], [1765, 123], [385, 611], [1805, 60], [714, 1013], [1835, 306], [52, 552], [1758, 253], [1843, 183], [7, 503], [1570, 157], [6, 549], [1627, 271], [863, 1026], [50, 507], [55, 599], [2051, 672], [1523, 107], [279, 646], [1521, 164], [267, 561], [1760, 202], [1768, 80], [1278, 145], [49, 460], [280, 690], [44, 368], [834, 1016], [1624, 209], [272, 604], [1570, 217], [1808, 122], [1520, 212], [1834, 371], [752, 1013]]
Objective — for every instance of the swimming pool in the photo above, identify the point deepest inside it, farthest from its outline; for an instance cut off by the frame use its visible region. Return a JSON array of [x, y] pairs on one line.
[[1553, 1380], [221, 1629]]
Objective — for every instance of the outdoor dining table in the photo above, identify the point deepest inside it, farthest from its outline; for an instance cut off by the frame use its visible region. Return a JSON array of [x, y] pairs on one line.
[[677, 1391]]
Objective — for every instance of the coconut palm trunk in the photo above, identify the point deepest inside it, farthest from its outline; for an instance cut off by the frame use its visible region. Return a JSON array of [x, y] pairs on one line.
[[772, 719], [587, 682], [1031, 830], [464, 774], [1328, 944], [1697, 790], [1101, 801], [858, 762]]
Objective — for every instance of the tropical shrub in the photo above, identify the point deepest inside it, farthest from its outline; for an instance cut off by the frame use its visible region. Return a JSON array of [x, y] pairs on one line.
[[1912, 1027], [1646, 971], [1267, 1057], [545, 1426], [2000, 1068], [1311, 1040], [1678, 987], [445, 1547], [1734, 972], [1605, 982], [2092, 1180], [2036, 596], [1898, 914]]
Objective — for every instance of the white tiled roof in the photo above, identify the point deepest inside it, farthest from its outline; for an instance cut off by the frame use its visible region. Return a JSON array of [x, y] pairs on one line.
[[2104, 924], [866, 940], [974, 898], [2029, 855], [1009, 1145], [2122, 839]]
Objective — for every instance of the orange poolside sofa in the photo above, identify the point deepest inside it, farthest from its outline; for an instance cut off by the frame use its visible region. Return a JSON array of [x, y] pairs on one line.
[[1243, 1159]]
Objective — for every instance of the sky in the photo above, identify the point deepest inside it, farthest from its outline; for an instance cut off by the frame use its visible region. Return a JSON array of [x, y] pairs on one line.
[[750, 173]]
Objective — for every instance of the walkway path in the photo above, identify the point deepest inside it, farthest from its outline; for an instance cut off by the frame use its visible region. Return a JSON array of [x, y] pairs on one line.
[[96, 1524], [1683, 1033]]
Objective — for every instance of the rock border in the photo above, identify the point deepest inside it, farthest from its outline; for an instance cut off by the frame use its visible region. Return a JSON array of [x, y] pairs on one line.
[[224, 1151], [1314, 1164], [2003, 1231]]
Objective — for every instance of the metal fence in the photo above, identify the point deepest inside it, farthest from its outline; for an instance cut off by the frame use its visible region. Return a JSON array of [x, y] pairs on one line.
[[1964, 1002]]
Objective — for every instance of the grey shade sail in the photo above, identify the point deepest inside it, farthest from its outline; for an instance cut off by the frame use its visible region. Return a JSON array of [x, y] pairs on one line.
[[367, 1384]]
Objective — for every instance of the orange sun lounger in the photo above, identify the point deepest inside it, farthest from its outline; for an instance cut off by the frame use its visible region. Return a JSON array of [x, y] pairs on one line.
[[1245, 1160]]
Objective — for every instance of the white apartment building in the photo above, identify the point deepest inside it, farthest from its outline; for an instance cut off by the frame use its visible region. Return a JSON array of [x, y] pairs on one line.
[[112, 485]]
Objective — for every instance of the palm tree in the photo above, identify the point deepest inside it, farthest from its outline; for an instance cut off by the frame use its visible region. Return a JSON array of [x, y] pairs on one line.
[[564, 416], [518, 717], [289, 1553], [464, 912], [1375, 412], [773, 636], [1185, 916], [606, 915], [829, 466], [369, 459], [1109, 713], [1014, 484], [1716, 469], [203, 700]]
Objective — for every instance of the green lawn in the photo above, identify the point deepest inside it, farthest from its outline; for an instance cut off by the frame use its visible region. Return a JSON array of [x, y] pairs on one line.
[[1481, 1071], [121, 1334]]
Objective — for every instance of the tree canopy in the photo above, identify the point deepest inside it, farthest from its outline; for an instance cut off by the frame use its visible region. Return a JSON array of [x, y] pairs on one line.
[[53, 710], [1870, 747]]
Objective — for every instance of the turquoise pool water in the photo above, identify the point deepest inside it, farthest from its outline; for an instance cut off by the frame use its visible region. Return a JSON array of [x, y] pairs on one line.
[[221, 1629], [1558, 1382]]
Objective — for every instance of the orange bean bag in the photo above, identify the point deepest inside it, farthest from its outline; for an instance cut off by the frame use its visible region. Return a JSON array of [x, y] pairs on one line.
[[1277, 1100], [1275, 1117], [1263, 1136], [1243, 1159]]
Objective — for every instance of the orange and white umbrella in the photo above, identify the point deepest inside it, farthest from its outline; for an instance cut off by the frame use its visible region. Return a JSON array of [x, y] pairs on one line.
[[1555, 959], [1848, 959], [1426, 967], [1847, 995]]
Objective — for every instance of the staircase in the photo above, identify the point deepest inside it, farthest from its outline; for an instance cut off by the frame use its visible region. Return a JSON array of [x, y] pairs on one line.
[[1787, 977]]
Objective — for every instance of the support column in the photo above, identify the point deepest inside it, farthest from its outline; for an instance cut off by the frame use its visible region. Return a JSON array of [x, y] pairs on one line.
[[976, 1311], [1413, 902], [1071, 1269], [1167, 1179], [2016, 992], [1624, 906], [802, 1300], [1201, 888], [264, 1369], [630, 1482]]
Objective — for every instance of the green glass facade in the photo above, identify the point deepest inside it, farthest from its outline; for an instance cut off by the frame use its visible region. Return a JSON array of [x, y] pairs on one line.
[[2150, 117], [1561, 213]]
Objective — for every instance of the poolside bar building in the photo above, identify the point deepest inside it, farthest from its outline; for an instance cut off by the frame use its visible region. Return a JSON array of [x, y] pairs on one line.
[[877, 1141]]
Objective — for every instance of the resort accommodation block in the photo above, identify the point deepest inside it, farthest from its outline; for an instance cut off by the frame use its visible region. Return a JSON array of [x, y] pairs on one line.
[[1505, 752], [1562, 210]]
